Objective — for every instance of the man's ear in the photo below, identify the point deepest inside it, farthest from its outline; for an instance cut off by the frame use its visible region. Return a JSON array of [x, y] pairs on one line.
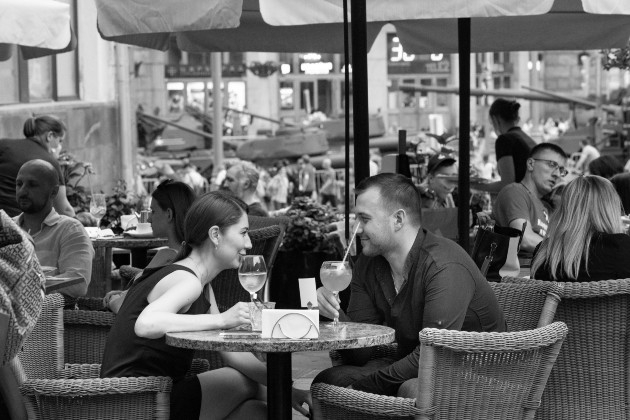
[[169, 215], [400, 217], [530, 164], [54, 191]]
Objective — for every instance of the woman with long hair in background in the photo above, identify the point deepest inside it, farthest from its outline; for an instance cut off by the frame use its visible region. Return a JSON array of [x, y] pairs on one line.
[[586, 240]]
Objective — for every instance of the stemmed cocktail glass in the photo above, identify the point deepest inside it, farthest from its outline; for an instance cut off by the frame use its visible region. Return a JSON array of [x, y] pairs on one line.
[[252, 273], [335, 276]]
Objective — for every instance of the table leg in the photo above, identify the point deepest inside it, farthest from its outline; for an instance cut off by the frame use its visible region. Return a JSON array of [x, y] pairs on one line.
[[279, 386], [101, 280]]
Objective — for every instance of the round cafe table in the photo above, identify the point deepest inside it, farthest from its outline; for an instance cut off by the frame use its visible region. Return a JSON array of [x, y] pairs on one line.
[[279, 351]]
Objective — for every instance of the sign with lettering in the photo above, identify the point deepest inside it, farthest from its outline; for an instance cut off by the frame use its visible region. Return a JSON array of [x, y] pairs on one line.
[[400, 62], [203, 70]]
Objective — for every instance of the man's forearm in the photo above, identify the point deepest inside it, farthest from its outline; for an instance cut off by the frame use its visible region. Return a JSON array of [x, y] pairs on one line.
[[386, 381]]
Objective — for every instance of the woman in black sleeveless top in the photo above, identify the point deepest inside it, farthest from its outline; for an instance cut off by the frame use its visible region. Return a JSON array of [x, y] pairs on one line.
[[170, 298]]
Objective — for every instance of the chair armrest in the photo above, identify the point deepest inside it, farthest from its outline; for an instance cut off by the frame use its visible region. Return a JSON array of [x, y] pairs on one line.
[[473, 342], [89, 317], [97, 386], [328, 399]]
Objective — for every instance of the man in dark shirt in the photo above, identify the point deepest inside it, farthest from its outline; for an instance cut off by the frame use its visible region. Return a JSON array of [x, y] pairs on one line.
[[408, 279]]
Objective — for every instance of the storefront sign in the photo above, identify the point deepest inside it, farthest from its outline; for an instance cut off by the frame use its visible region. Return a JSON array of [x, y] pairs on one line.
[[202, 70], [399, 62], [314, 63]]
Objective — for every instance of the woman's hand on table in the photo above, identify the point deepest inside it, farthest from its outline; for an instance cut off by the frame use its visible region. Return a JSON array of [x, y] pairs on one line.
[[299, 397], [236, 315], [328, 304]]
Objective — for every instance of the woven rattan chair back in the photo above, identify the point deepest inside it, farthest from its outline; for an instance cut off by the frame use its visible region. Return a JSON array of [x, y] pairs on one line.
[[259, 222], [591, 376], [485, 375], [528, 305], [86, 330], [42, 352]]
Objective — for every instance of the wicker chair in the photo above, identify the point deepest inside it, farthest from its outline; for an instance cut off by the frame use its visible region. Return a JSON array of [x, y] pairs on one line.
[[52, 389], [525, 307], [259, 222], [590, 379], [462, 375], [85, 331]]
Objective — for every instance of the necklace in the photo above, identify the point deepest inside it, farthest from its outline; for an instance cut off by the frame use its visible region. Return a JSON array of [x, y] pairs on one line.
[[398, 280]]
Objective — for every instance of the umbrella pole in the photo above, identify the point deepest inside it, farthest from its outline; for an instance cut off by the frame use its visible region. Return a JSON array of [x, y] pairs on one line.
[[217, 108], [347, 60], [463, 35], [360, 90]]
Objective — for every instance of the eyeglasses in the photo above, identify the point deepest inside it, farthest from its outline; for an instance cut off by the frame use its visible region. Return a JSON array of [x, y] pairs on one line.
[[553, 165]]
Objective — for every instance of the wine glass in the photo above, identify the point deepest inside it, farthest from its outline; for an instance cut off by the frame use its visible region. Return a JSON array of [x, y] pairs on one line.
[[252, 273], [98, 208], [335, 276]]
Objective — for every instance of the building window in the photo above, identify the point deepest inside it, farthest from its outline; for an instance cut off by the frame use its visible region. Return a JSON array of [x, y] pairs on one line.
[[51, 78]]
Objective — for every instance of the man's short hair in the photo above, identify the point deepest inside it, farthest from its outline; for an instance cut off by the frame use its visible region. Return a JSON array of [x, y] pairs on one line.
[[249, 172], [541, 147], [397, 191], [306, 158]]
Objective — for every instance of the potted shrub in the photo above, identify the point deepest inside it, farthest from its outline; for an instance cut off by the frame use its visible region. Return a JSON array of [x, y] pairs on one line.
[[304, 249]]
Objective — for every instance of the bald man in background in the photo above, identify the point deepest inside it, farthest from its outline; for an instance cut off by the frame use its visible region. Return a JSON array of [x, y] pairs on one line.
[[60, 241]]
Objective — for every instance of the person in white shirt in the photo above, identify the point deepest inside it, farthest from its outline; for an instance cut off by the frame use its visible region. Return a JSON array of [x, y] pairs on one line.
[[589, 153]]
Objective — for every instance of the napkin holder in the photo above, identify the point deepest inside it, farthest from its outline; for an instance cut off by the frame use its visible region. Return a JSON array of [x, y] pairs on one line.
[[290, 324]]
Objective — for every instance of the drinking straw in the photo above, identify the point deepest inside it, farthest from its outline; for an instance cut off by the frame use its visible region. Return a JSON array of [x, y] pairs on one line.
[[356, 229]]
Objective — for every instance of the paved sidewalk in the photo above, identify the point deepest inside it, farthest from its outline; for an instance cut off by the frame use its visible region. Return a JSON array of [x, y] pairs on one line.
[[305, 366]]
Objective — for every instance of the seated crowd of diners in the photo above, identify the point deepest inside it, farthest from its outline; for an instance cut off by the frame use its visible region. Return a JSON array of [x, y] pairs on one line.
[[405, 277]]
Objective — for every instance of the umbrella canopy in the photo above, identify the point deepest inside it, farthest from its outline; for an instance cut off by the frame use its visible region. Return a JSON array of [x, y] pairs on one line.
[[38, 27], [426, 26], [215, 25]]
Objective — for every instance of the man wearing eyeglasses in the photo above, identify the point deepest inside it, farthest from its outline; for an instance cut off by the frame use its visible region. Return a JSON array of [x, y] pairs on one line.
[[520, 202]]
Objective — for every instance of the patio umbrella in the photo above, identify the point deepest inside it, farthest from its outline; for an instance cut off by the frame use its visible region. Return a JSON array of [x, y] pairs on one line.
[[465, 26], [215, 25], [37, 27]]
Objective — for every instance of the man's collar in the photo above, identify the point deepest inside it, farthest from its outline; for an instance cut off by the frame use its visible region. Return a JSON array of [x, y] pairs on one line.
[[52, 218], [412, 256]]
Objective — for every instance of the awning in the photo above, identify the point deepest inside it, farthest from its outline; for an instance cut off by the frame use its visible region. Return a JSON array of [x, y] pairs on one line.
[[38, 27], [215, 25], [428, 26]]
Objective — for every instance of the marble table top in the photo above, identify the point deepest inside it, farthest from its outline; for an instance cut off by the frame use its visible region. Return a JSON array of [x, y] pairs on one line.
[[356, 335], [128, 242]]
